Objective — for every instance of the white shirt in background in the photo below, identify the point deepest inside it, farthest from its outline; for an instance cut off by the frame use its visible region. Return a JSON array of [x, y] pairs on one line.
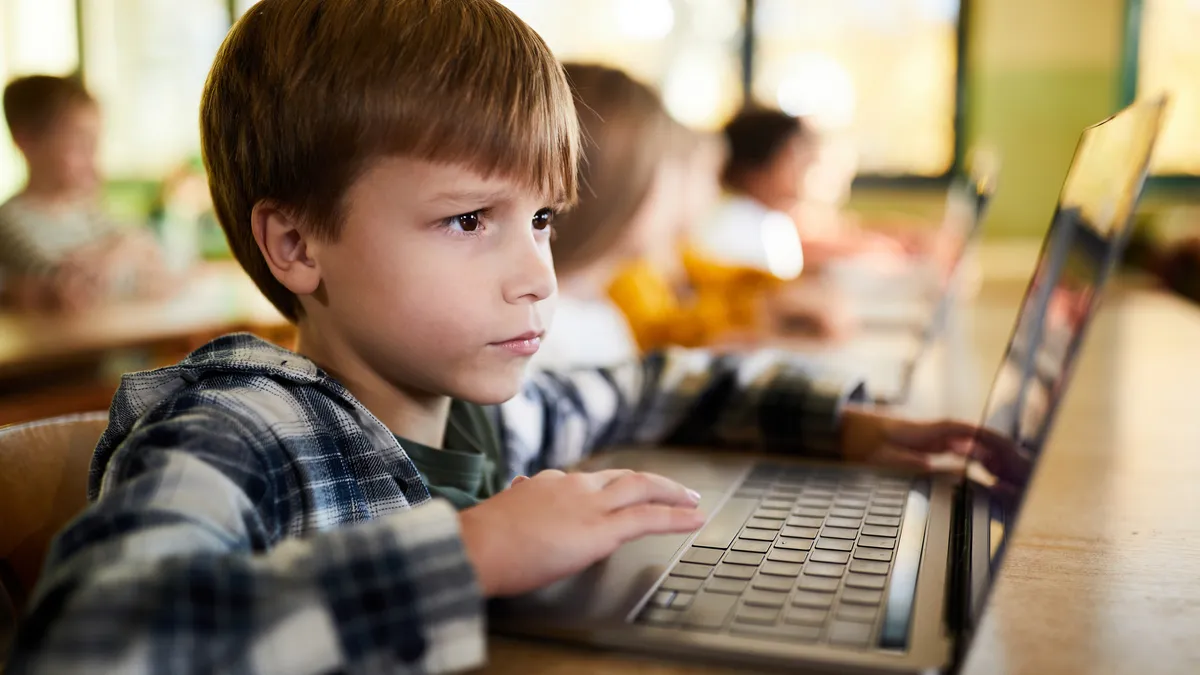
[[587, 332]]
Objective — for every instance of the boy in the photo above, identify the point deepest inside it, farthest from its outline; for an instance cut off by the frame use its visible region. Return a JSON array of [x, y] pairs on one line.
[[386, 171], [57, 250]]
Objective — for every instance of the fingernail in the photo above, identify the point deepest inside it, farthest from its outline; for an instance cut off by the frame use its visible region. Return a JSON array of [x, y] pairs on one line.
[[694, 495]]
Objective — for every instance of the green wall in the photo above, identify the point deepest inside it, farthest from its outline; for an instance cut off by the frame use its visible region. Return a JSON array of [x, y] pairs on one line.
[[1039, 71]]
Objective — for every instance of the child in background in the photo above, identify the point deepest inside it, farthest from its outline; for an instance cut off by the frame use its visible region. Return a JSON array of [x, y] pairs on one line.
[[57, 250], [618, 251], [776, 166]]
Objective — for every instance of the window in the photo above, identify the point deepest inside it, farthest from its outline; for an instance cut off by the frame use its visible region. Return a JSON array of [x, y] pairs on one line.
[[1163, 55], [146, 62], [882, 75], [688, 49]]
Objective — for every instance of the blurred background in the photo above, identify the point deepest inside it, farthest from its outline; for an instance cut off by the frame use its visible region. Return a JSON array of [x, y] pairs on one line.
[[901, 92]]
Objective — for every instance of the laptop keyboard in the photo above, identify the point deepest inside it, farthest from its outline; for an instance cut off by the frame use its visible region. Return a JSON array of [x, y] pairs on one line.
[[798, 554]]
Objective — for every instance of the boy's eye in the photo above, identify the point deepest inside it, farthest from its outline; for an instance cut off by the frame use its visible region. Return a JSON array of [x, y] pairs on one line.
[[543, 219], [467, 222]]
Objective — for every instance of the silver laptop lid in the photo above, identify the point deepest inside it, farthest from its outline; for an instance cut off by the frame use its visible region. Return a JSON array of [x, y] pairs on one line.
[[1086, 239]]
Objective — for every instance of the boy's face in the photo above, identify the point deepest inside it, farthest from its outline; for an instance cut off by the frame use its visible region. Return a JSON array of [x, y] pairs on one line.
[[65, 153], [441, 280]]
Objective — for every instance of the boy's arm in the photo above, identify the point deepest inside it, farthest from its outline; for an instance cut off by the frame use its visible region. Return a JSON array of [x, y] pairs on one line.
[[175, 569], [678, 397]]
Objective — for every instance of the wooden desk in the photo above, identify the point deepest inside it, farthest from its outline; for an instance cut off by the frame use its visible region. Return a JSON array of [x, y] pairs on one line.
[[57, 364], [1103, 573], [216, 298]]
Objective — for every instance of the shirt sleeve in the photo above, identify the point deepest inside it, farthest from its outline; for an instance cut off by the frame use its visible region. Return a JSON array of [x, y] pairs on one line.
[[679, 397], [184, 565], [22, 251]]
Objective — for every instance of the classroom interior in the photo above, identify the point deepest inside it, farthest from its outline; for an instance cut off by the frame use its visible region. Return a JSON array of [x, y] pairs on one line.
[[912, 101]]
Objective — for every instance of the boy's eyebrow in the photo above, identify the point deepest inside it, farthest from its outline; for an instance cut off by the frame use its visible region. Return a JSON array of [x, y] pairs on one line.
[[470, 196]]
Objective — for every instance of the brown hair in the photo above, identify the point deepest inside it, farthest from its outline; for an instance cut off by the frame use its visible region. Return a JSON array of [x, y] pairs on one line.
[[754, 137], [32, 104], [626, 133], [304, 94]]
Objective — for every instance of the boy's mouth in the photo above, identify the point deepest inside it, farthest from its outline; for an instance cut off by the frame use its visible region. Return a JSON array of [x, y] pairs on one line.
[[525, 344]]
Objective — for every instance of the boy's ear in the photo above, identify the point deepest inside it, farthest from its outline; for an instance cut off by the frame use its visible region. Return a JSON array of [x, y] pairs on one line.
[[285, 247]]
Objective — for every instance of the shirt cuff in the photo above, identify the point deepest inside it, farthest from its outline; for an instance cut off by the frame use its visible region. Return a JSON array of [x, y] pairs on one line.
[[802, 413]]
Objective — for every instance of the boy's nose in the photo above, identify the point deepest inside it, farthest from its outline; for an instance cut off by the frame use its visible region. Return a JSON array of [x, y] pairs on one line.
[[530, 276]]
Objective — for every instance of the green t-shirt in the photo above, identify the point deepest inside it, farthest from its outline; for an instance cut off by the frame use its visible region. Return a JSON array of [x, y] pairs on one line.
[[469, 468]]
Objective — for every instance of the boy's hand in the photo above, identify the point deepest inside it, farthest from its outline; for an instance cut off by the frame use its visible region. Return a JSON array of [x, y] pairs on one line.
[[554, 524], [901, 443]]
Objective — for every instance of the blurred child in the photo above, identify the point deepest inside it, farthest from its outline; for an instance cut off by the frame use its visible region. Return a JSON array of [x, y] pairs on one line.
[[57, 249], [777, 166], [618, 251]]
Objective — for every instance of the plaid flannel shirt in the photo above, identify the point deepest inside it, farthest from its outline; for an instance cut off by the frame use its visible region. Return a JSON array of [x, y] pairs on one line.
[[250, 516]]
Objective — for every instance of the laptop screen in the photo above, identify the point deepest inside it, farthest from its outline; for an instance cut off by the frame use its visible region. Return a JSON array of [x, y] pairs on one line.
[[1085, 241]]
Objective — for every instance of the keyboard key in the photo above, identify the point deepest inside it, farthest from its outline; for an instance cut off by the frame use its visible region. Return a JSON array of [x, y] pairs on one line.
[[757, 534], [729, 586], [809, 616], [818, 569], [769, 583], [835, 544], [869, 567], [756, 615], [743, 558], [799, 532], [734, 572], [791, 490], [764, 523], [682, 600], [723, 526], [814, 502], [786, 555], [839, 557], [857, 613], [881, 531], [889, 501], [682, 584], [861, 596], [805, 521], [849, 523], [777, 503], [662, 599], [839, 533], [885, 510], [784, 633], [703, 556], [850, 634], [813, 600], [880, 554], [761, 598], [774, 514], [751, 546], [780, 569], [851, 502], [691, 570], [709, 610], [889, 521], [795, 544], [877, 542], [867, 581], [661, 617], [847, 513], [822, 584], [810, 512]]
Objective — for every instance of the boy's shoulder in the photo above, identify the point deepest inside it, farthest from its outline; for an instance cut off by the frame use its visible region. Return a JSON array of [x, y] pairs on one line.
[[238, 386]]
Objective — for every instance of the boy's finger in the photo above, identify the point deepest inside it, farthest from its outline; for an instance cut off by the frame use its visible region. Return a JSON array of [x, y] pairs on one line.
[[517, 480], [637, 488], [646, 519]]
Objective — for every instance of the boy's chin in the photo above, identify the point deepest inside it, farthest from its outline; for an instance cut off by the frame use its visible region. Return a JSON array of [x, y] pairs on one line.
[[493, 390]]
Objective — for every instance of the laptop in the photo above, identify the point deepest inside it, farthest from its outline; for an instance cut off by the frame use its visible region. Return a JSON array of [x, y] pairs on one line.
[[818, 567], [901, 321]]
